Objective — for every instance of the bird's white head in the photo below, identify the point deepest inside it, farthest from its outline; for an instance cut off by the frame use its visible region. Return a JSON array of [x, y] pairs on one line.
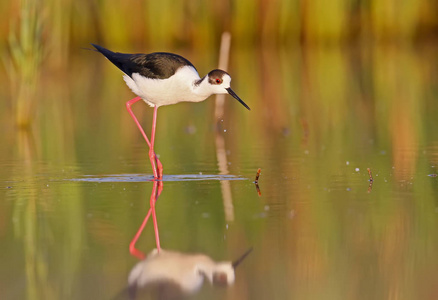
[[219, 83]]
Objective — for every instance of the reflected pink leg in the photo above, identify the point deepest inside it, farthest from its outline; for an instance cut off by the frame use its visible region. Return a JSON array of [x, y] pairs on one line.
[[132, 249], [152, 156], [154, 197]]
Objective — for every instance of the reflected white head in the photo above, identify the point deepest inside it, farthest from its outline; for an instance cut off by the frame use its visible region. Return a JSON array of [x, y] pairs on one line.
[[223, 275]]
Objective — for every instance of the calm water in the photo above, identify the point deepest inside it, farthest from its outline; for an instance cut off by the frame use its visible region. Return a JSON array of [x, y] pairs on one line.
[[76, 188]]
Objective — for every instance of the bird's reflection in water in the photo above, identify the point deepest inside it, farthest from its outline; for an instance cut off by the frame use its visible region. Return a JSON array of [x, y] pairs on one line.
[[166, 274], [174, 275]]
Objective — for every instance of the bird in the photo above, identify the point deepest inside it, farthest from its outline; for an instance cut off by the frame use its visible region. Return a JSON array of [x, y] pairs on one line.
[[163, 78], [180, 274]]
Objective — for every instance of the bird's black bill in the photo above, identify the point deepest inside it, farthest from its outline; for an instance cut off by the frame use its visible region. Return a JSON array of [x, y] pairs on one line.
[[230, 91], [240, 259]]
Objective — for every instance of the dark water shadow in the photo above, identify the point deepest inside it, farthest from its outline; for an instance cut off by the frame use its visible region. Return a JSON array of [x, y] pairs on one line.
[[146, 178]]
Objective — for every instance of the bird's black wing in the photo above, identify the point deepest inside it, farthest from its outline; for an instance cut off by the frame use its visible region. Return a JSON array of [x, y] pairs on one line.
[[159, 65]]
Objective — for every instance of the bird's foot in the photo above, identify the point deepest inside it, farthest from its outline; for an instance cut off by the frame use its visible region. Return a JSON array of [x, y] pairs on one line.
[[160, 168], [157, 166]]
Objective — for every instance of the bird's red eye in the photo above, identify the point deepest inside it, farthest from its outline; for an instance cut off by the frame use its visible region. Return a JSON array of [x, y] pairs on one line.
[[218, 81]]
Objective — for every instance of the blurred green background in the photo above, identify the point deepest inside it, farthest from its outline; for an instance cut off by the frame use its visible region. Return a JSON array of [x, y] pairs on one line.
[[333, 86], [42, 35]]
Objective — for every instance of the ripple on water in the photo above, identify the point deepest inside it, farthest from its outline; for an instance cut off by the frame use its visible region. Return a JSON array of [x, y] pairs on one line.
[[143, 178]]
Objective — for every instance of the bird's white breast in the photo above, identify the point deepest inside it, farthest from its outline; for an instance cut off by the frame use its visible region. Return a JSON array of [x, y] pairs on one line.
[[157, 92]]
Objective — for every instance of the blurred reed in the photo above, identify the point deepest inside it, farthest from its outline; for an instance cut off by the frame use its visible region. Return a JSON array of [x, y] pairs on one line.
[[24, 59], [180, 23], [55, 26]]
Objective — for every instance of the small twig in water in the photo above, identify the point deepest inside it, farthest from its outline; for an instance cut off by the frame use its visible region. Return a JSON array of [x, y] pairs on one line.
[[257, 176], [370, 187], [257, 182], [369, 173]]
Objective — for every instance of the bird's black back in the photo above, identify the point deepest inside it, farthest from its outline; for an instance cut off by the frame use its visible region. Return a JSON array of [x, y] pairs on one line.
[[158, 65]]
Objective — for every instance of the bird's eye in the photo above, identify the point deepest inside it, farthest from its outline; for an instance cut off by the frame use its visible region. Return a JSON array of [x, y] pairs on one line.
[[218, 81]]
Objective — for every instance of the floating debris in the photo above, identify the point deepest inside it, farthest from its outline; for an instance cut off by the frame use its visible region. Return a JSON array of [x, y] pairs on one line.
[[370, 187], [257, 181], [369, 173], [257, 176]]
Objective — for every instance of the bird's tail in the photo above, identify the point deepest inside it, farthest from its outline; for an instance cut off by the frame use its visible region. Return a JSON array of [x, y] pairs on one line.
[[118, 59]]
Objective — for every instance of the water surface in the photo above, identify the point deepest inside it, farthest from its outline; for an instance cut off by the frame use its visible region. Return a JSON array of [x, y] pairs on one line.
[[76, 188]]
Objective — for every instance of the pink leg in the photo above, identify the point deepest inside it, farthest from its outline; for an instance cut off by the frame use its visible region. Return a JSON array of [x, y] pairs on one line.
[[152, 156], [156, 164]]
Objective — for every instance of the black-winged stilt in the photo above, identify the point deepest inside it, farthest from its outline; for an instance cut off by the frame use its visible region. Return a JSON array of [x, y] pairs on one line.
[[162, 79]]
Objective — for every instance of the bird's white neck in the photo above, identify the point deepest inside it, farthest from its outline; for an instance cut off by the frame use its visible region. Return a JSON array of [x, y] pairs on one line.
[[202, 88]]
